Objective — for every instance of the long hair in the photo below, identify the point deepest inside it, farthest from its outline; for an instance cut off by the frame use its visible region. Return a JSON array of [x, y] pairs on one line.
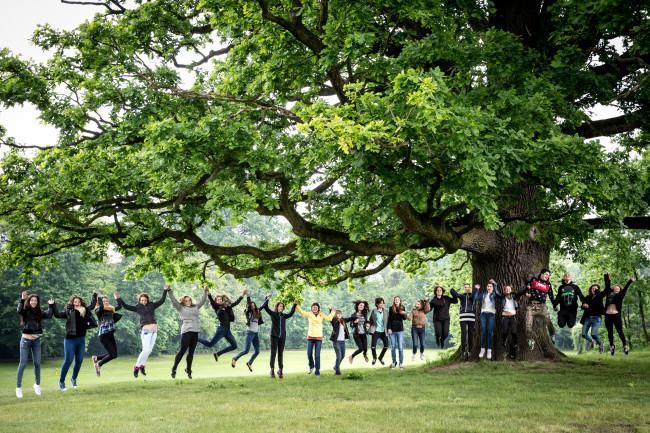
[[146, 295], [435, 291], [356, 304], [225, 299], [394, 307], [182, 300], [421, 301], [38, 311], [340, 319], [593, 289], [70, 303], [255, 312], [277, 305], [316, 304], [509, 295]]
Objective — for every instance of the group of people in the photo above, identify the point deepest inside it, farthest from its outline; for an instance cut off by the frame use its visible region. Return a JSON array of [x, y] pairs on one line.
[[380, 324]]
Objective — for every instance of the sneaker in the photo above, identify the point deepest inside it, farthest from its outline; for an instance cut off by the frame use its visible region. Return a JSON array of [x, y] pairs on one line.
[[612, 350], [216, 357], [531, 344], [310, 370], [280, 374], [350, 358], [601, 348], [381, 361], [189, 373], [250, 367], [489, 354], [142, 370], [462, 356], [62, 386], [365, 358], [413, 357], [393, 365], [317, 376], [19, 392], [421, 356], [553, 338], [97, 369], [136, 370], [73, 382], [173, 373], [481, 354], [516, 348], [37, 389], [233, 362], [374, 361], [469, 356], [338, 373], [626, 350], [401, 367], [273, 373], [591, 345]]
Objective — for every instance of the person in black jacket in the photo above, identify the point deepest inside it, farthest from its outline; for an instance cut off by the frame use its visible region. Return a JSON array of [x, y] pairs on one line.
[[613, 307], [467, 319], [278, 331], [338, 337], [396, 316], [31, 317], [359, 320], [107, 315], [148, 325], [223, 308], [78, 320], [567, 295], [440, 305], [593, 310]]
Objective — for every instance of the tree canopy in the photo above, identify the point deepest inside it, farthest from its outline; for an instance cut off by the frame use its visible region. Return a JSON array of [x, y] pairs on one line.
[[380, 132]]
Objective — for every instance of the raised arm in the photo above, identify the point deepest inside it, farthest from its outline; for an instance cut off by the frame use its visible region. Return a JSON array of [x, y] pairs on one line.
[[203, 297], [50, 309], [301, 312], [93, 300], [608, 282], [293, 310], [121, 303], [454, 293], [21, 303], [427, 306], [58, 314], [331, 315], [172, 298], [627, 285], [265, 305], [100, 306], [161, 301], [234, 304]]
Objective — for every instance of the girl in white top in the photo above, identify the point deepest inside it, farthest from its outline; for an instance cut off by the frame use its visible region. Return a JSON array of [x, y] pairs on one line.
[[509, 319]]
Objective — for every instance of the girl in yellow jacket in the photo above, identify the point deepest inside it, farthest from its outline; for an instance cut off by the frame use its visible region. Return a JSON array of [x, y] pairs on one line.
[[315, 333]]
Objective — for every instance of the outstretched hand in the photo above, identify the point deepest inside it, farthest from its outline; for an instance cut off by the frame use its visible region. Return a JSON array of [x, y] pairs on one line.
[[245, 292], [633, 279], [492, 281], [295, 301], [51, 302], [168, 287], [477, 286], [528, 295], [96, 292], [24, 295], [206, 288], [116, 295], [269, 296]]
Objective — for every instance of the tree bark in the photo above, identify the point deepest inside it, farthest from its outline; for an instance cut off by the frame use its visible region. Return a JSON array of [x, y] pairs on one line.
[[511, 262], [645, 330]]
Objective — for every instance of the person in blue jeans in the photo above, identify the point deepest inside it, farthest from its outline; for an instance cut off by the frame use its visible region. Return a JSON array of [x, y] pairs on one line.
[[396, 317], [593, 310], [488, 311], [339, 336], [223, 308], [78, 320], [315, 334], [253, 321], [31, 317]]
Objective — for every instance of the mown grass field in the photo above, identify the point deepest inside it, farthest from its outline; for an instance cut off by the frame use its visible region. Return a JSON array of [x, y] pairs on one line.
[[589, 393]]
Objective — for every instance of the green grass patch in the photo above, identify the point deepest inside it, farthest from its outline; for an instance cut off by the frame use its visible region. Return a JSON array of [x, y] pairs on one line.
[[583, 393]]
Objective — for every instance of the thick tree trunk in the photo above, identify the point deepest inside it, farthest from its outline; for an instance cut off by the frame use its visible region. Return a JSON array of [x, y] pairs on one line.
[[511, 262], [645, 330]]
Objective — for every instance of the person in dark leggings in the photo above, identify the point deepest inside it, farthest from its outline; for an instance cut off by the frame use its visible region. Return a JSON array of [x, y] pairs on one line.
[[467, 319], [440, 305], [78, 320], [107, 316], [278, 332], [613, 307], [223, 308], [510, 304], [378, 321], [567, 298], [592, 316], [359, 320], [189, 312], [31, 318]]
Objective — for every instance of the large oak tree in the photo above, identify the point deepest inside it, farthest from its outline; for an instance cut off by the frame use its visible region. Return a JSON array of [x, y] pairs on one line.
[[383, 132]]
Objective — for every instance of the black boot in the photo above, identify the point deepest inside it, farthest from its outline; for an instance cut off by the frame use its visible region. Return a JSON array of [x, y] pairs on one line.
[[189, 373]]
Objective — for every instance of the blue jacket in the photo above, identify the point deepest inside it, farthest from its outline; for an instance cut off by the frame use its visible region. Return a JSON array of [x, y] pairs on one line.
[[493, 296], [466, 300]]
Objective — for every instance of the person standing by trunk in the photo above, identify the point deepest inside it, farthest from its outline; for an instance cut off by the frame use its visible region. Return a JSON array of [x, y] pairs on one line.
[[538, 290], [440, 304]]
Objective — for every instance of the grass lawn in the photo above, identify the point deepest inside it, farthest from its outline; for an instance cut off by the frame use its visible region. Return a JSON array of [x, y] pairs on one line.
[[588, 393]]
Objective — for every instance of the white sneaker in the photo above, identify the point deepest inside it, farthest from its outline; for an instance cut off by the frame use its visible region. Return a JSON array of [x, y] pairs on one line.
[[481, 354], [401, 367], [489, 354], [413, 357], [19, 392], [421, 356], [393, 365], [37, 389]]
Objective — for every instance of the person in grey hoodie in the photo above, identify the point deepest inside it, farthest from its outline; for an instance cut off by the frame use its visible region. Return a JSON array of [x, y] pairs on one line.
[[189, 312]]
